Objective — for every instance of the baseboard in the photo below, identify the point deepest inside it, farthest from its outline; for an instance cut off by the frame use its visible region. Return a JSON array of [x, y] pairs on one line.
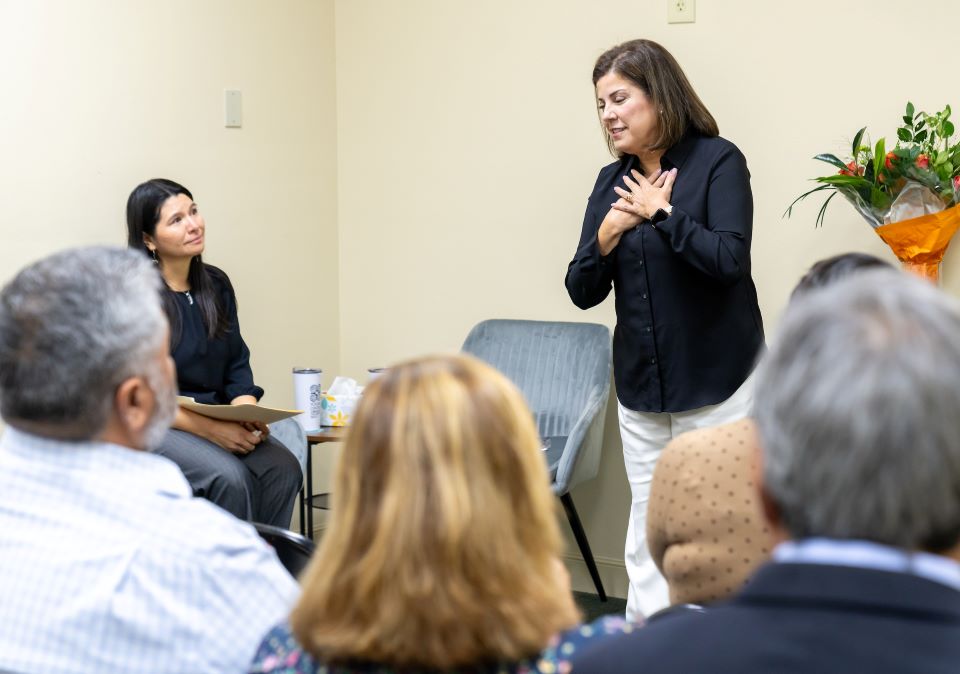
[[612, 570]]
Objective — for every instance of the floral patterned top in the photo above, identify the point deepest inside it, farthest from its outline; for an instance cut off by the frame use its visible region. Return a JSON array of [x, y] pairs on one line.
[[279, 653]]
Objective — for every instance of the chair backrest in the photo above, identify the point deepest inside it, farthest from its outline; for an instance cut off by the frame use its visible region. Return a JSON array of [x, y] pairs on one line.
[[293, 550], [563, 369]]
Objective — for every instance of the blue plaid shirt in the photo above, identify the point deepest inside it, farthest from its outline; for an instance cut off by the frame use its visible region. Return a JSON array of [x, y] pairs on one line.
[[108, 564]]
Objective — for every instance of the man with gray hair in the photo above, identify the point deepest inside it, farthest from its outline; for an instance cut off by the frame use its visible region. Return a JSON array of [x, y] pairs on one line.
[[107, 562], [858, 409]]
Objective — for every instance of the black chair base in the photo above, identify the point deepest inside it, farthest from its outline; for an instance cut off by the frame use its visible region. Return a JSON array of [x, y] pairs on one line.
[[293, 550], [582, 542]]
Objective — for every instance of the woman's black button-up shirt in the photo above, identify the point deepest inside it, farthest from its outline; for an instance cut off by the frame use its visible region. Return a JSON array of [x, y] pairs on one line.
[[688, 324], [212, 371]]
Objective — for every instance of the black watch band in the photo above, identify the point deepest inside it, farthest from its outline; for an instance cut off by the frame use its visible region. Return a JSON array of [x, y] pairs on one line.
[[660, 216]]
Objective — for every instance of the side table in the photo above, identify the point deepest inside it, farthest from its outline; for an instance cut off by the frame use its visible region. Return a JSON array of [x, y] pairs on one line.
[[309, 500]]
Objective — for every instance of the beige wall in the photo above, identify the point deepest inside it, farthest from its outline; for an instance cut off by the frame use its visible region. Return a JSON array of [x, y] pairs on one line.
[[469, 143], [429, 168], [101, 94]]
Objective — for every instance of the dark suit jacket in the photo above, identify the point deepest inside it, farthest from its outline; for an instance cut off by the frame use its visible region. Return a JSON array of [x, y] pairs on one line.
[[806, 618]]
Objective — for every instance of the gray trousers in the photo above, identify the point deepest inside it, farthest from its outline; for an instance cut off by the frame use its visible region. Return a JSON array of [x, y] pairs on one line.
[[258, 487]]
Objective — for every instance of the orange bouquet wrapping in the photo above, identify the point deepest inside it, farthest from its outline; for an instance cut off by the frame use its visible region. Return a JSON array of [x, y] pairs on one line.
[[920, 243], [909, 195]]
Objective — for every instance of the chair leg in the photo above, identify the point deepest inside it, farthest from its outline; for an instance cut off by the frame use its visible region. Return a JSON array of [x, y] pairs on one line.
[[303, 512], [582, 542], [309, 490]]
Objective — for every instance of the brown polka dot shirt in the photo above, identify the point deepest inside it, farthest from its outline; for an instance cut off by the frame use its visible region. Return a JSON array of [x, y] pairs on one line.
[[705, 526]]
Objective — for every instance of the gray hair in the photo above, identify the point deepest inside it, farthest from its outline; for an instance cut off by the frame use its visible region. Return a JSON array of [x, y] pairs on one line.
[[858, 407], [73, 326]]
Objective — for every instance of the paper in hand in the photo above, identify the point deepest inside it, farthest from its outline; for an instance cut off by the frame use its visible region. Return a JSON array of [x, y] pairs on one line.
[[267, 415]]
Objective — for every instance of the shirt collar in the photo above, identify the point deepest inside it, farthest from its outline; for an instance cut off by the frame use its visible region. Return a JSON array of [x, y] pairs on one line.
[[869, 555], [673, 157], [678, 153], [132, 470]]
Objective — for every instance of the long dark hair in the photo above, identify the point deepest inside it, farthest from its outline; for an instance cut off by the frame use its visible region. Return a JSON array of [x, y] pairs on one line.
[[657, 73], [143, 213]]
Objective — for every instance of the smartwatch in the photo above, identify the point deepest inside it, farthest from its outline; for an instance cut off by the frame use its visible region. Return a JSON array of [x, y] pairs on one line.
[[662, 214]]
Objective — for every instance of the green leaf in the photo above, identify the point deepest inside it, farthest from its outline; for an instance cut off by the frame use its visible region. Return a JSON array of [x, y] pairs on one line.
[[878, 198], [856, 141], [832, 159], [908, 120], [878, 155], [948, 129], [920, 137], [904, 135], [918, 125], [823, 211], [844, 181], [909, 109], [787, 213]]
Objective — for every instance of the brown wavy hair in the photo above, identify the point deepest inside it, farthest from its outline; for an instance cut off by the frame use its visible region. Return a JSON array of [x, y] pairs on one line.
[[443, 547], [652, 68]]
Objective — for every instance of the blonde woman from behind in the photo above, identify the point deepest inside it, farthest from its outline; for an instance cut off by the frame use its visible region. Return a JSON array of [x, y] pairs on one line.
[[443, 551]]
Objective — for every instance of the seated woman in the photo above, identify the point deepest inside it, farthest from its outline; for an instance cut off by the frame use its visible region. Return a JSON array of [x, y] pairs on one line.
[[443, 550], [237, 465]]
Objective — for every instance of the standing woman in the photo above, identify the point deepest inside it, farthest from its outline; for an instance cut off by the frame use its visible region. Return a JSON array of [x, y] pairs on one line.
[[237, 465], [668, 227]]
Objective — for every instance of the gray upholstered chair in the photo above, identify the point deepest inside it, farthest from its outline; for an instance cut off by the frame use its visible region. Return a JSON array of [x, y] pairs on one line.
[[563, 369]]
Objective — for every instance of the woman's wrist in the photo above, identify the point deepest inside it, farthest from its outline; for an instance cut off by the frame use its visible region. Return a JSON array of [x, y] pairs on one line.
[[191, 422], [607, 241]]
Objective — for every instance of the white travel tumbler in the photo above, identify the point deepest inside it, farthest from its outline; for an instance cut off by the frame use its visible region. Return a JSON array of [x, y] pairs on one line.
[[307, 395]]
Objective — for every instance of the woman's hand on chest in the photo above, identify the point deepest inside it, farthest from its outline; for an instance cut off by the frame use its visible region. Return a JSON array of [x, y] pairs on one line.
[[645, 196]]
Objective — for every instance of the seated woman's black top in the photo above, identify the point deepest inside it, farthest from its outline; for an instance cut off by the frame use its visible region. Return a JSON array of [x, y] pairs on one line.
[[212, 371]]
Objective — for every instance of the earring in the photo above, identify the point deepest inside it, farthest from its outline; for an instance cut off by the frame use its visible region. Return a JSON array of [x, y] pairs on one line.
[[156, 260]]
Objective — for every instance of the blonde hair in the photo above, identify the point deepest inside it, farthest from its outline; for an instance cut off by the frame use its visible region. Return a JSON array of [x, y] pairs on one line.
[[443, 549]]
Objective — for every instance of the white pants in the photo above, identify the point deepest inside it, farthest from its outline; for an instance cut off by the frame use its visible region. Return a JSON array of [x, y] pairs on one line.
[[644, 436]]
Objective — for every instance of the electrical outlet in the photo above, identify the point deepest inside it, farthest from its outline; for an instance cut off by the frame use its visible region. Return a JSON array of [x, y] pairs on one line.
[[681, 11]]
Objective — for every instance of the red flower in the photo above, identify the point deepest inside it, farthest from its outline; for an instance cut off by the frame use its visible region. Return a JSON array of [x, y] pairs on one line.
[[888, 163], [852, 169], [923, 161], [956, 182]]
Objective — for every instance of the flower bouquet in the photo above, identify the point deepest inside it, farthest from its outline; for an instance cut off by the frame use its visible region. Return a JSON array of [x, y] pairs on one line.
[[909, 194]]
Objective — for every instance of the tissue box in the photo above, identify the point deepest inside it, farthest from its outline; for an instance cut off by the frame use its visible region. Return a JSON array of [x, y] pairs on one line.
[[337, 410]]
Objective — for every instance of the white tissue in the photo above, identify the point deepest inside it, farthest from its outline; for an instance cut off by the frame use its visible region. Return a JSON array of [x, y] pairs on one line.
[[340, 401], [345, 387]]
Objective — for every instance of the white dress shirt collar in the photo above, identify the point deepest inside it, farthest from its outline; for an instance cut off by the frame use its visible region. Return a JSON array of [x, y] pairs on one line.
[[869, 555]]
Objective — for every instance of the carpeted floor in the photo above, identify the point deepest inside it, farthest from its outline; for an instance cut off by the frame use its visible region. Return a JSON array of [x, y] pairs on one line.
[[593, 608]]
